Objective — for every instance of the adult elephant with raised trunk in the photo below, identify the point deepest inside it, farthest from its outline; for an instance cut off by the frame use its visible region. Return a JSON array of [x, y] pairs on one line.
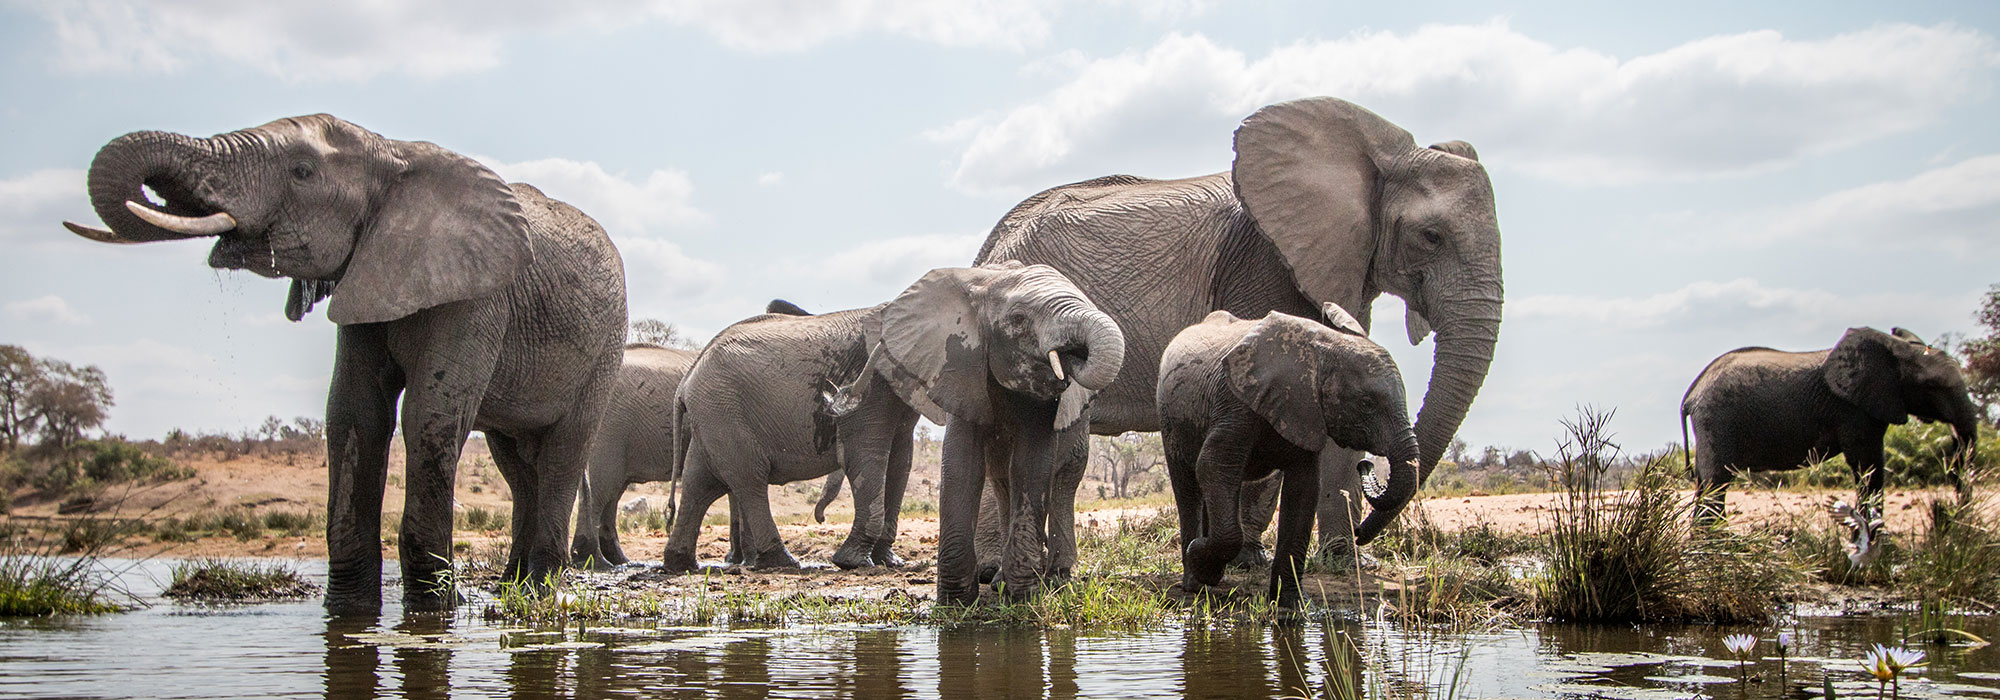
[[482, 305], [1326, 202]]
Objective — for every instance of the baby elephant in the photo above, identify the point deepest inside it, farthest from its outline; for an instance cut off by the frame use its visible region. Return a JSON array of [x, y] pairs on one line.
[[1241, 399], [1758, 409], [634, 444]]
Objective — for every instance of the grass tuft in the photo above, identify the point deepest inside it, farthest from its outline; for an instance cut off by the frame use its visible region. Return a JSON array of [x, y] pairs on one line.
[[214, 580]]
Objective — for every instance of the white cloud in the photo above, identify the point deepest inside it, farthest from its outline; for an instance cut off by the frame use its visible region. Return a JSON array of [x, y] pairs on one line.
[[33, 206], [1953, 207], [655, 266], [1735, 305], [49, 307], [662, 201], [359, 40], [893, 263], [1714, 107], [771, 179]]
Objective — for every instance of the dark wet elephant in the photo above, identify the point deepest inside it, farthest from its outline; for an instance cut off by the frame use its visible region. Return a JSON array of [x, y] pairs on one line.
[[1241, 399], [482, 305], [1759, 409], [1326, 202]]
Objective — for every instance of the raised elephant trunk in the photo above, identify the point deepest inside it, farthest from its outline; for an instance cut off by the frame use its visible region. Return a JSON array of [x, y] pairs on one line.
[[1402, 487], [172, 165], [1103, 345], [1464, 352]]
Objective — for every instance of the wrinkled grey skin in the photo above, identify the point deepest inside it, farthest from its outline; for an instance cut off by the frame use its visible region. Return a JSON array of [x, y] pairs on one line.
[[482, 305], [776, 399], [1240, 400], [1009, 372], [1759, 409], [634, 444], [1326, 202]]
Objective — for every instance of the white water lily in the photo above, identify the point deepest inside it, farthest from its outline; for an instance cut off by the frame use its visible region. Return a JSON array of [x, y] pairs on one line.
[[1739, 644], [1784, 643]]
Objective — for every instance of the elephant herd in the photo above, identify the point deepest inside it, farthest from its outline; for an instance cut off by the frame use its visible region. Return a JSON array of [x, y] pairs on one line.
[[1230, 312]]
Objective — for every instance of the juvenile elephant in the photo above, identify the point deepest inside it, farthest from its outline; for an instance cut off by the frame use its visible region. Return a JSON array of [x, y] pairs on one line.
[[1326, 202], [1240, 399], [776, 398], [1759, 409], [634, 445], [483, 305]]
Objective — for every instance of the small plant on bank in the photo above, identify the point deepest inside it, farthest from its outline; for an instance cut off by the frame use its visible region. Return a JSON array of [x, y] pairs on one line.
[[38, 577], [214, 580]]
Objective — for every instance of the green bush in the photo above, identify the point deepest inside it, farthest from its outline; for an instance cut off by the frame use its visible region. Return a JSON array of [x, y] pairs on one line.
[[294, 523], [1915, 453], [215, 580], [92, 463], [481, 520]]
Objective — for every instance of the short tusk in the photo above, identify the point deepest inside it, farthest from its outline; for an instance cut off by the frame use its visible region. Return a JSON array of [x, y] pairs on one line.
[[1056, 364], [203, 226]]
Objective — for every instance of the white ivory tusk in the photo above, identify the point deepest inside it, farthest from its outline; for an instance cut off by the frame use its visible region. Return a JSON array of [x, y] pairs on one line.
[[203, 226], [1056, 364]]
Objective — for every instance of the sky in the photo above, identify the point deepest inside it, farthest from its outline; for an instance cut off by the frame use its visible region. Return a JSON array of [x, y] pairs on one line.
[[1673, 181]]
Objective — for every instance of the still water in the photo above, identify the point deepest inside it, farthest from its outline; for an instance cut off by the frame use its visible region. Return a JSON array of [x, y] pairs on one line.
[[170, 650]]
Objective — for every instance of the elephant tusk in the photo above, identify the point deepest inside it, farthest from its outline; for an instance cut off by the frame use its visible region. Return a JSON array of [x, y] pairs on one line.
[[95, 234], [1056, 364], [193, 226]]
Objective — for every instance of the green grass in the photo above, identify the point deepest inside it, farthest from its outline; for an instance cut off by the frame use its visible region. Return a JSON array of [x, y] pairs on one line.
[[479, 519], [61, 571], [215, 580]]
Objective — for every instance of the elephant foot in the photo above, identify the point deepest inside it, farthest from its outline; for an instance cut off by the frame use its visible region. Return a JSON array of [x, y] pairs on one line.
[[989, 572], [850, 558], [594, 562], [1017, 591], [1251, 556], [430, 600], [679, 562], [886, 557], [775, 559], [354, 605], [959, 595], [1348, 560]]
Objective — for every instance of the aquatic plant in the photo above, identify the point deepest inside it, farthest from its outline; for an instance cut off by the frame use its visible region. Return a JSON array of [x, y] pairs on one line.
[[1739, 646], [215, 580], [1887, 665], [40, 573]]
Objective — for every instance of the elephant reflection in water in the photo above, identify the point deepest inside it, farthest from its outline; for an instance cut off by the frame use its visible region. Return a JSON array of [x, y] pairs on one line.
[[354, 670], [1006, 663]]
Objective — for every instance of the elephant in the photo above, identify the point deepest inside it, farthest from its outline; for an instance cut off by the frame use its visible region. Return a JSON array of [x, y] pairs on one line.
[[634, 445], [1326, 202], [483, 305], [1759, 409], [1240, 400], [780, 398]]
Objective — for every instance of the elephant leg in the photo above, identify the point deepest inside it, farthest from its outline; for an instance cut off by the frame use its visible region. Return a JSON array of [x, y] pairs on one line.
[[699, 490], [558, 460], [760, 534], [1025, 563], [434, 431], [1340, 503], [867, 439], [1295, 520], [1260, 503], [738, 555], [1183, 449], [583, 549], [893, 486], [513, 456], [360, 417], [1070, 458], [1219, 471], [993, 518], [607, 529], [963, 473]]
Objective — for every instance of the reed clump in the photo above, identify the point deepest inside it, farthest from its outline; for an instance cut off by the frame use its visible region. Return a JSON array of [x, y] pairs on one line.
[[215, 580]]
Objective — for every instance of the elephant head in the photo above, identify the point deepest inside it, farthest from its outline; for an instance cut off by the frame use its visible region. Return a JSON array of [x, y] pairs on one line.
[[1314, 385], [1336, 188], [956, 335], [386, 227], [1893, 376]]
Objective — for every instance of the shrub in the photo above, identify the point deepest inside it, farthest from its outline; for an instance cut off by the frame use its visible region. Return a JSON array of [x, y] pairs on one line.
[[216, 580], [481, 520]]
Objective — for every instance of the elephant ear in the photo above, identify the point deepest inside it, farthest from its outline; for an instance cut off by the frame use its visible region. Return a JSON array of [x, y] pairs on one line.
[[931, 337], [448, 229], [1070, 407], [1457, 148], [1338, 319], [1272, 370], [1306, 170], [1862, 369]]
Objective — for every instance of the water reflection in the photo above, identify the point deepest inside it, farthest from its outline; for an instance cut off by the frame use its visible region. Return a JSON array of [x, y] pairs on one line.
[[293, 650]]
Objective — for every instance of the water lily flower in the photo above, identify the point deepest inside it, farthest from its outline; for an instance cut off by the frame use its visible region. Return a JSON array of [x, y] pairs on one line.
[[1876, 663], [1900, 659], [1886, 664], [1739, 644], [1784, 643]]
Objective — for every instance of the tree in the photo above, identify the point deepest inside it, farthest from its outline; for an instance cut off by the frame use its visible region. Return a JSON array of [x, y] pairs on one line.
[[68, 400], [1982, 354], [1123, 459], [661, 333], [18, 373]]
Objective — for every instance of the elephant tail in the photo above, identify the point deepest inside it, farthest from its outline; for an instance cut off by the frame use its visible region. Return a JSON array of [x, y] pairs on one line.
[[826, 494], [682, 436]]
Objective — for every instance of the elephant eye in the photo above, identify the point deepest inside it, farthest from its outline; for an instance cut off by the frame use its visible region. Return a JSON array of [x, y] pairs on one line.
[[1432, 236], [302, 170]]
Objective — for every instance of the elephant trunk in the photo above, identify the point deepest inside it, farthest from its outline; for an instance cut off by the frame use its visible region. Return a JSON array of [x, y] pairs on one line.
[[1464, 353], [1402, 487], [1102, 345], [1965, 436], [172, 165]]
